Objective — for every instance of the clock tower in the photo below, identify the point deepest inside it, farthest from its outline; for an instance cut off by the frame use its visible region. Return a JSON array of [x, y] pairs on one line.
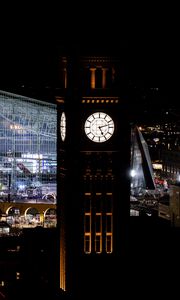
[[93, 174]]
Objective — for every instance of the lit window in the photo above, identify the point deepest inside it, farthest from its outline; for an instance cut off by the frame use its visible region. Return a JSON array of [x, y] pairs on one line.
[[87, 243], [109, 233], [98, 243], [109, 243]]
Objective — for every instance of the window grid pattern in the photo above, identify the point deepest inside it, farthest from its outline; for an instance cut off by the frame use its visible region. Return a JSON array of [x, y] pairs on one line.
[[28, 139], [98, 220]]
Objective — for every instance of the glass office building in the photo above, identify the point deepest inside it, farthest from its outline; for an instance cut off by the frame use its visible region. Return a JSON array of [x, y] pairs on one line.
[[28, 153]]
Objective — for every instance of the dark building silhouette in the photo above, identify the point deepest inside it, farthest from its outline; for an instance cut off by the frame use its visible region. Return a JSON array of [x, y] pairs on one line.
[[94, 181]]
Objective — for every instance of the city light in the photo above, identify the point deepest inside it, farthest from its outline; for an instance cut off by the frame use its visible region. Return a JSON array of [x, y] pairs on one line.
[[133, 173]]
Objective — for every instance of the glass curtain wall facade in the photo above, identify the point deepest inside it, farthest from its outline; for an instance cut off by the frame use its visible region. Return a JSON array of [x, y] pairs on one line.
[[28, 148]]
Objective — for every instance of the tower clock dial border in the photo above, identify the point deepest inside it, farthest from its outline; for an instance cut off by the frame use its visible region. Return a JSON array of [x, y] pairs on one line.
[[99, 127]]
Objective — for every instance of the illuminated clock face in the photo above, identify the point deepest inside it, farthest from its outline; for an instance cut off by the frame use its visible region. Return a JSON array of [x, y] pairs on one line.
[[63, 126], [99, 127]]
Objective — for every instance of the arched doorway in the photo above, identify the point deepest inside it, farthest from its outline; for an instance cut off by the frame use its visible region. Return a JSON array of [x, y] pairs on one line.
[[50, 218]]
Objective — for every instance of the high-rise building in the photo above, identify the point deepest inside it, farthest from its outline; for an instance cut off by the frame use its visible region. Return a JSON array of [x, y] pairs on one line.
[[93, 173]]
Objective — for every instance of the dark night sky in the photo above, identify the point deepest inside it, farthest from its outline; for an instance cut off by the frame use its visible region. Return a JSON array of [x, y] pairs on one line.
[[149, 62], [148, 49]]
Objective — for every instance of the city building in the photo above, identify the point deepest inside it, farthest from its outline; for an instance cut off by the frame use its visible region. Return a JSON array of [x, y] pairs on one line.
[[171, 165], [162, 136], [95, 159], [28, 160], [28, 196], [169, 206], [174, 206]]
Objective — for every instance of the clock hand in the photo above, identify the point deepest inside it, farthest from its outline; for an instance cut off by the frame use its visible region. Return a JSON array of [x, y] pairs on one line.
[[101, 130], [103, 126]]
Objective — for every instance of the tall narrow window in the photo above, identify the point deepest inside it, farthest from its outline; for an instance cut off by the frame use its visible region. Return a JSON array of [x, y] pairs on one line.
[[87, 243], [65, 78], [109, 229], [109, 244], [87, 223], [98, 243], [98, 202], [93, 78], [87, 203], [108, 203], [109, 222], [87, 233], [104, 77], [98, 233]]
